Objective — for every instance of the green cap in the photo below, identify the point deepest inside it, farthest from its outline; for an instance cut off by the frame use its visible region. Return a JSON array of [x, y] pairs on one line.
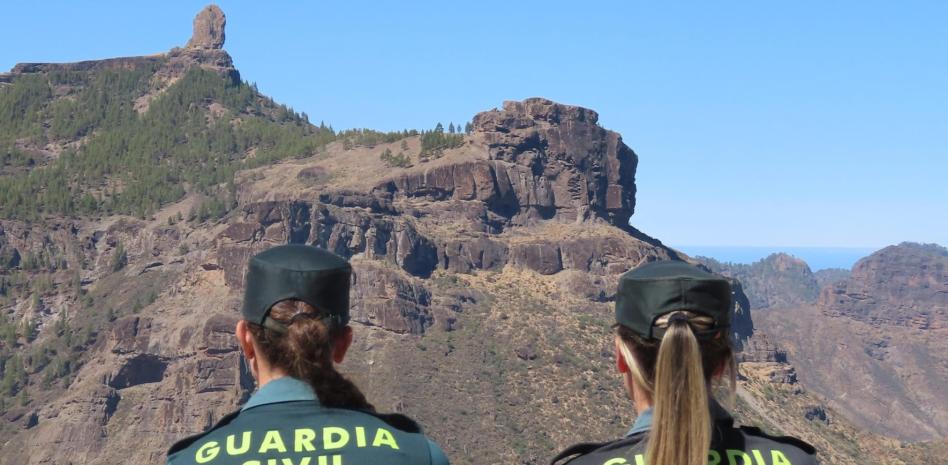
[[658, 288], [295, 271]]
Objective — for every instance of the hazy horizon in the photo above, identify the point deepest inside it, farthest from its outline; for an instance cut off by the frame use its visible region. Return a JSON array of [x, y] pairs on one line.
[[817, 258]]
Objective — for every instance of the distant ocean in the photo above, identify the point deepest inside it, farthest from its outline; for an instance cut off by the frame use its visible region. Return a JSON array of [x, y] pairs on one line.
[[817, 257]]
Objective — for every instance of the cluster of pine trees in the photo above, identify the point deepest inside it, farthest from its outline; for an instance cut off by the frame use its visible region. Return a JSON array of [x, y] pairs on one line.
[[436, 141], [369, 137], [134, 163]]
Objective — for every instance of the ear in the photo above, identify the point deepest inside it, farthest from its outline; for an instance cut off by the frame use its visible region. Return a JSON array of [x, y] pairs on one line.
[[244, 340], [341, 345], [621, 365]]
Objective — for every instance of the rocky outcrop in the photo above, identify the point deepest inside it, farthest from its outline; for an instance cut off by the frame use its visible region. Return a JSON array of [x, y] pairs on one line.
[[203, 51], [208, 28], [544, 161], [139, 369], [573, 166], [389, 299], [903, 285], [760, 348]]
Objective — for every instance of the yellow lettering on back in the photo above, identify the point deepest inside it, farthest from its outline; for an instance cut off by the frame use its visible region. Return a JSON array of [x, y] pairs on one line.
[[733, 454], [759, 458], [779, 458], [207, 452], [251, 462], [616, 461], [639, 459], [384, 436], [272, 441], [342, 437], [714, 457], [336, 460], [303, 440], [232, 448], [360, 436]]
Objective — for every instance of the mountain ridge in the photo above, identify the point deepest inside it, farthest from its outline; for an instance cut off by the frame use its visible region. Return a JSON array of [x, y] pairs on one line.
[[485, 267]]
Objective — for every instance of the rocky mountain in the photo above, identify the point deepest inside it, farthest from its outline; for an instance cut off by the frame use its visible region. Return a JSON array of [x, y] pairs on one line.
[[485, 266], [903, 285], [884, 328], [779, 280]]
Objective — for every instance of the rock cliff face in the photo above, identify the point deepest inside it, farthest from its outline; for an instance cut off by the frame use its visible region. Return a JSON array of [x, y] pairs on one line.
[[539, 188], [583, 169], [903, 285], [884, 326]]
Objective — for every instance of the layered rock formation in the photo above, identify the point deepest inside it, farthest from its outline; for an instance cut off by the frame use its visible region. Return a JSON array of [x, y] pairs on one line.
[[904, 285], [539, 186]]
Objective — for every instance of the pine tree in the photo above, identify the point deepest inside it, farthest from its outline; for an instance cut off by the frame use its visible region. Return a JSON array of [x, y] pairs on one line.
[[451, 128]]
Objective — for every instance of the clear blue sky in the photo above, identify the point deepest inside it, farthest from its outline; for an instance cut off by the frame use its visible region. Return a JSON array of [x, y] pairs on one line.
[[805, 123]]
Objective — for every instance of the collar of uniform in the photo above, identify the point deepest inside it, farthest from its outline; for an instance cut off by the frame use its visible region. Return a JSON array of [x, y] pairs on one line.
[[285, 389], [643, 422]]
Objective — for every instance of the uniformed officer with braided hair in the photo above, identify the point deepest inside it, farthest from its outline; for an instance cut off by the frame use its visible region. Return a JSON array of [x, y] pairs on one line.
[[304, 412], [671, 339]]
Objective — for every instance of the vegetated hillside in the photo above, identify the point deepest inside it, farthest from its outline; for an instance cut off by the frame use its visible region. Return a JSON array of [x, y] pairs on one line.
[[778, 280], [485, 265], [876, 345]]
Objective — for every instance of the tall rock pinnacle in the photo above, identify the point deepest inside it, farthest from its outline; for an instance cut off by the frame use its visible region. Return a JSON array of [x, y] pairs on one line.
[[208, 29]]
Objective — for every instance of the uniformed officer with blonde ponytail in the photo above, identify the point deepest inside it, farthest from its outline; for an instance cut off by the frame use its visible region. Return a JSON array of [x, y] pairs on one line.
[[671, 341], [304, 412]]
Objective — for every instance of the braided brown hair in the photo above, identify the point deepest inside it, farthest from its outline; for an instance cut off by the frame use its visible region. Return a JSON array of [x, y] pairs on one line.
[[305, 352]]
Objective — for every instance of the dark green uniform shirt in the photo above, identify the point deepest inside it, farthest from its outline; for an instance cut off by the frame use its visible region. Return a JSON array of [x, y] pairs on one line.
[[284, 424], [730, 445]]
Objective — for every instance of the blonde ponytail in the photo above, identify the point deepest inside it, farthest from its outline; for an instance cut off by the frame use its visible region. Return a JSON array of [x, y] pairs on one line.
[[681, 420], [675, 373]]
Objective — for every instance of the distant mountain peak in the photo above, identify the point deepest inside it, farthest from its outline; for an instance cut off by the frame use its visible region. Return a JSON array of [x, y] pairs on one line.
[[904, 285], [208, 29]]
